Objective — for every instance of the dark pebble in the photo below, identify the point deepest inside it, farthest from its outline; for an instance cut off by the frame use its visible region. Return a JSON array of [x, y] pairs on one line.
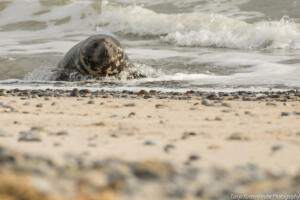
[[276, 148], [285, 114], [62, 133], [54, 103], [169, 147], [226, 105], [194, 157], [186, 135], [91, 102], [131, 114], [39, 105], [296, 113], [149, 143], [237, 136], [129, 105], [160, 106], [115, 135]]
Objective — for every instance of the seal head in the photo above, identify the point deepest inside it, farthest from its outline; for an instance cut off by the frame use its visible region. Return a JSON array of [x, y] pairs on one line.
[[102, 57], [98, 56]]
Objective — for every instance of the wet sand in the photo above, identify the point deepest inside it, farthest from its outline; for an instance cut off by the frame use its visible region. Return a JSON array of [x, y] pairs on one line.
[[172, 132]]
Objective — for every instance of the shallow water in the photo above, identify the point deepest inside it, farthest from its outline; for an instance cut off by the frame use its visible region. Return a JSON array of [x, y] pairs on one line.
[[179, 45]]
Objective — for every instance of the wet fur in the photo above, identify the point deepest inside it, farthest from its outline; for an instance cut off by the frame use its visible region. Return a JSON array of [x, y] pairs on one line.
[[84, 58]]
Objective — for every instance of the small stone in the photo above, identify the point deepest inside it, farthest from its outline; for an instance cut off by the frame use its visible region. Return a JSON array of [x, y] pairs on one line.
[[129, 105], [75, 93], [276, 148], [149, 143], [54, 103], [91, 102], [218, 119], [143, 92], [194, 157], [237, 136], [226, 105], [169, 147], [37, 128], [296, 113], [62, 133], [56, 144], [247, 113], [115, 135], [285, 114], [39, 105], [29, 136], [160, 106], [186, 135], [131, 114], [226, 111], [17, 123], [270, 104]]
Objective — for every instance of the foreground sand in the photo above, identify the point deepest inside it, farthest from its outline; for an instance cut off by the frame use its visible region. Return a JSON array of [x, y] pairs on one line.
[[193, 132]]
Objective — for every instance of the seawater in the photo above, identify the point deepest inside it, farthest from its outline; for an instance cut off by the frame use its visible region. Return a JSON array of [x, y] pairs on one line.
[[179, 45]]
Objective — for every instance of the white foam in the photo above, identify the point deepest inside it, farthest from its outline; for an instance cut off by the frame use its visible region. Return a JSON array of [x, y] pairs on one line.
[[197, 29]]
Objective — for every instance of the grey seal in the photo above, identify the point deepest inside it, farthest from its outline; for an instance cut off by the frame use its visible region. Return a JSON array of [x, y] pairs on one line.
[[97, 56]]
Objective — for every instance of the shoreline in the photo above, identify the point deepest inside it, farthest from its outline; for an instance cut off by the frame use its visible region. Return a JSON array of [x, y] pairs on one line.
[[150, 139]]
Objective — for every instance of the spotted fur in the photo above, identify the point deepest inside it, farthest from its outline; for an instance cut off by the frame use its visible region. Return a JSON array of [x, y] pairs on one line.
[[98, 56]]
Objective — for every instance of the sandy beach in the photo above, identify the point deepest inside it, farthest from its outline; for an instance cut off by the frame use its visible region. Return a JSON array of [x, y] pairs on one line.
[[185, 131]]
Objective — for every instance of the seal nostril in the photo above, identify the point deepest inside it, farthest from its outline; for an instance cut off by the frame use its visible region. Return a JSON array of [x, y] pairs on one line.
[[95, 45]]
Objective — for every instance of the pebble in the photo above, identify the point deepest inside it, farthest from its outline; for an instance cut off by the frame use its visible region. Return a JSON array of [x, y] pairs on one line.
[[115, 135], [206, 103], [296, 113], [40, 105], [271, 104], [276, 148], [37, 128], [29, 136], [237, 136], [62, 133], [187, 135], [218, 119], [75, 93], [160, 106], [226, 105], [143, 92], [129, 105], [149, 143], [194, 157], [169, 147], [247, 113], [226, 111], [54, 103], [131, 114], [26, 104], [91, 102], [285, 114]]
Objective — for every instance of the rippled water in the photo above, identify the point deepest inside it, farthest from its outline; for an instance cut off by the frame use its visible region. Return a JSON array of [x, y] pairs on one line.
[[180, 45]]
